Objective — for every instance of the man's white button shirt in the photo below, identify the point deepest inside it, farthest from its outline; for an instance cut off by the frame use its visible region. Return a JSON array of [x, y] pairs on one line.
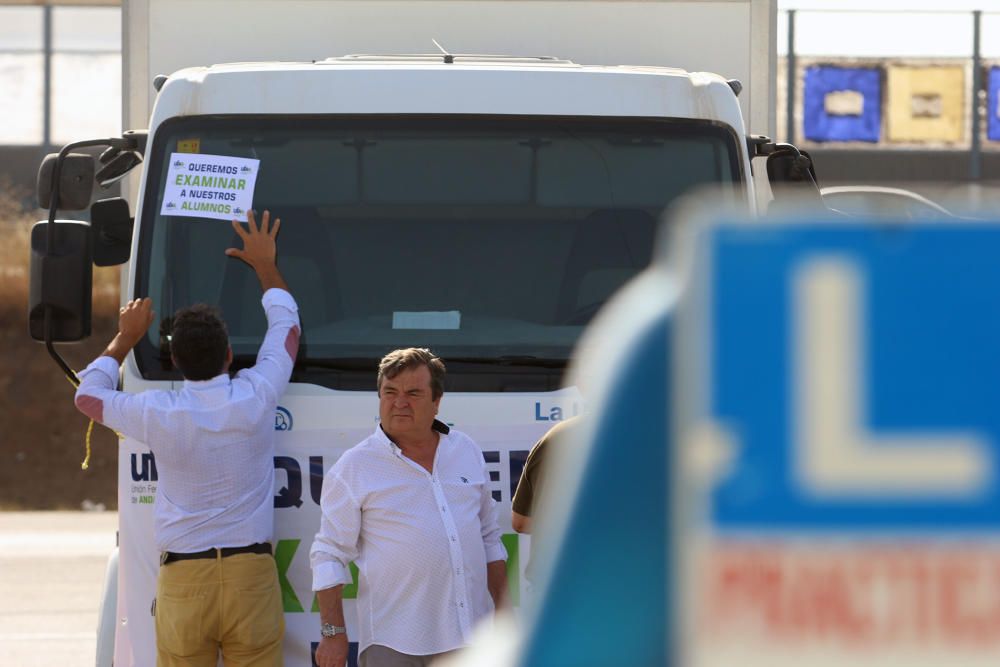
[[213, 440], [420, 540]]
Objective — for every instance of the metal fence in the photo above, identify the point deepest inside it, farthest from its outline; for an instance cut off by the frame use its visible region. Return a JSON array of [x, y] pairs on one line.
[[891, 81]]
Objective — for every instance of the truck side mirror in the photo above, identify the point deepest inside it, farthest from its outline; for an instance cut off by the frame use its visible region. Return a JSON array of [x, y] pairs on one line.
[[61, 278], [117, 167], [76, 181], [111, 231], [788, 164], [793, 177]]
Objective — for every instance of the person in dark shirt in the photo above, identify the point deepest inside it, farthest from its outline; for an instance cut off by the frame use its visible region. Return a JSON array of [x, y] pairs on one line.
[[533, 478]]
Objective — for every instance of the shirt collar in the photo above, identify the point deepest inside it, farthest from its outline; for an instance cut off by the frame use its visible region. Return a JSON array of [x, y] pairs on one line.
[[383, 437], [220, 380]]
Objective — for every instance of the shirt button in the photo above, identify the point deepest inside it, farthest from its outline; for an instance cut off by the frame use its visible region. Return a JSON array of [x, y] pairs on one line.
[[452, 538], [461, 604], [443, 509]]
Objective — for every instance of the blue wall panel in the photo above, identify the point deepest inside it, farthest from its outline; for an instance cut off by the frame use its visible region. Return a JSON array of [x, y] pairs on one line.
[[818, 124], [993, 99]]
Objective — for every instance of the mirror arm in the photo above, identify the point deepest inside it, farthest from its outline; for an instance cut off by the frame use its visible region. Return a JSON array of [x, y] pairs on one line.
[[50, 346], [760, 145]]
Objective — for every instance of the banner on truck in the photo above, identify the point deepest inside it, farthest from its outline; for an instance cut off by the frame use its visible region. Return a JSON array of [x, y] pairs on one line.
[[209, 186]]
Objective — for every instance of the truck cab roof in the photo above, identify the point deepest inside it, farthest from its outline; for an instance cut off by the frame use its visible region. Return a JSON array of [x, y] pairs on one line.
[[447, 84]]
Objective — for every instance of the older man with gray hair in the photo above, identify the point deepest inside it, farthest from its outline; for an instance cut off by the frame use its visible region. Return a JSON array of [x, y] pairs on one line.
[[411, 507]]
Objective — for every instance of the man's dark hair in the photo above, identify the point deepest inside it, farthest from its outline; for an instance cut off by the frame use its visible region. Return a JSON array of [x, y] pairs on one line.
[[199, 342], [398, 361]]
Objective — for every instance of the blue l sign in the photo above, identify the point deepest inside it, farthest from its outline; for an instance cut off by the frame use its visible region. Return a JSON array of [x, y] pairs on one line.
[[855, 369]]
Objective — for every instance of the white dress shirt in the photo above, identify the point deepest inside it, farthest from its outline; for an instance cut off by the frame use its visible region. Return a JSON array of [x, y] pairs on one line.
[[213, 440], [420, 540]]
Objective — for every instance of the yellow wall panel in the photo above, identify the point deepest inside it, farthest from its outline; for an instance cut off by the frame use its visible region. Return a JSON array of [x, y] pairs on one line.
[[925, 103]]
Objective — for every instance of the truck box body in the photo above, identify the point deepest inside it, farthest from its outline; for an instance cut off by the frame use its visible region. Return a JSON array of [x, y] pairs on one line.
[[732, 38], [485, 207]]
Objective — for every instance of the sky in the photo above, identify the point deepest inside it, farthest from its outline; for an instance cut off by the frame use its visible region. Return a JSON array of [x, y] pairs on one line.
[[890, 28], [892, 5]]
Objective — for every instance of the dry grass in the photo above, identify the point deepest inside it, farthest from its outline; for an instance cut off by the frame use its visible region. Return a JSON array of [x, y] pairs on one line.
[[41, 444], [15, 231], [15, 244]]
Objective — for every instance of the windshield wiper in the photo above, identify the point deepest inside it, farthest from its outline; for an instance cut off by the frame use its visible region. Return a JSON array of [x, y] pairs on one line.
[[337, 363], [371, 363], [518, 360], [309, 363]]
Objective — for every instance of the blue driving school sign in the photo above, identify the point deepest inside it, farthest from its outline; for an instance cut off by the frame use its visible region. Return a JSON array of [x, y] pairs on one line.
[[861, 367], [850, 374]]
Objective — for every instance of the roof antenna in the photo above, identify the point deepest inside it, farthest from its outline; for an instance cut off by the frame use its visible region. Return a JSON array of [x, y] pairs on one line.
[[448, 58]]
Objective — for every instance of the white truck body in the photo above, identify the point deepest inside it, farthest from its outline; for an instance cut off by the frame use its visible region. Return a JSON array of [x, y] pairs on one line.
[[625, 51], [732, 38]]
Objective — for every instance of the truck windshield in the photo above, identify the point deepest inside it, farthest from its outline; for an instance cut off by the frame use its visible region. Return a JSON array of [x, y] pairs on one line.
[[493, 241]]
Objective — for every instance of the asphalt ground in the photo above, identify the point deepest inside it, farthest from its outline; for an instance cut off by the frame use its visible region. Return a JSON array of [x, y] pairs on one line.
[[52, 567]]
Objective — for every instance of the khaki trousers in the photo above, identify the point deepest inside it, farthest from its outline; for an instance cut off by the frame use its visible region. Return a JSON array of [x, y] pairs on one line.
[[232, 605]]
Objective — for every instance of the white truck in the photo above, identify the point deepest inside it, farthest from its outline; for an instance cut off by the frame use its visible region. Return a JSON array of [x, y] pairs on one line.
[[485, 206]]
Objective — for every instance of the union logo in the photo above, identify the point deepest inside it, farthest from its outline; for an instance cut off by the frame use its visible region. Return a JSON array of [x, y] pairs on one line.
[[282, 419]]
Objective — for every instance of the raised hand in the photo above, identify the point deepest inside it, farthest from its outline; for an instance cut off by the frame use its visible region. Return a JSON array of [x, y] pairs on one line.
[[259, 248], [135, 317]]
